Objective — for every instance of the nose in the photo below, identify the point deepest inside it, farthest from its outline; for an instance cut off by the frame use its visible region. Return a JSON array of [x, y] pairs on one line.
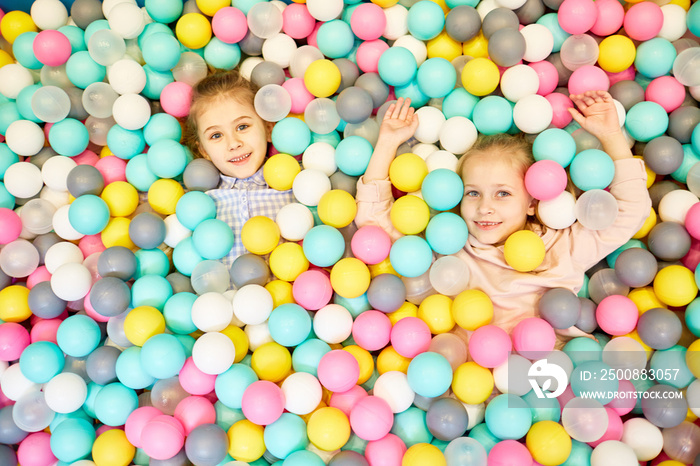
[[233, 142], [485, 206]]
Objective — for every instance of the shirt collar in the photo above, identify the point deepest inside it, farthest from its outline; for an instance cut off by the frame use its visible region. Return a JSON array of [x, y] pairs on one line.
[[228, 182]]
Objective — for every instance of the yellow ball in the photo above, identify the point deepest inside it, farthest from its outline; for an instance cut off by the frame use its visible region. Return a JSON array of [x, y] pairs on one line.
[[105, 152], [670, 463], [280, 291], [675, 285], [239, 339], [328, 429], [164, 194], [548, 442], [350, 277], [364, 359], [406, 310], [645, 299], [385, 3], [407, 171], [322, 78], [436, 311], [260, 235], [383, 267], [423, 453], [210, 7], [193, 30], [472, 384], [5, 58], [478, 47], [480, 76], [15, 23], [14, 303], [121, 198], [246, 441], [685, 4], [272, 362], [524, 250], [472, 309], [112, 448], [116, 233], [142, 323], [692, 358], [390, 360], [337, 208], [279, 171], [616, 53], [444, 46], [287, 261], [649, 223], [651, 176], [410, 214]]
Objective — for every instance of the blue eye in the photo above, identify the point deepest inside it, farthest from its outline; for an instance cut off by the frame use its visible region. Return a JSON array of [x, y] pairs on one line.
[[242, 127], [503, 194], [471, 194], [215, 136]]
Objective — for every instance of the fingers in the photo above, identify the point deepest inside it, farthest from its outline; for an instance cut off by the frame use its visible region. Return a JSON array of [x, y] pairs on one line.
[[400, 110]]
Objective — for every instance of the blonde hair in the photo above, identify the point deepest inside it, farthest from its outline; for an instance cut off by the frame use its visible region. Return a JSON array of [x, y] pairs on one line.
[[220, 85], [514, 148]]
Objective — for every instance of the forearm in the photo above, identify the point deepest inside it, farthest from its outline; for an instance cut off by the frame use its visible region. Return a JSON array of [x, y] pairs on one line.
[[383, 155], [616, 146]]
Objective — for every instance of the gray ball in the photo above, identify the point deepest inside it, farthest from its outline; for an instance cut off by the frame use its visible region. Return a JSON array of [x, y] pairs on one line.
[[267, 72], [147, 230], [206, 445], [560, 307], [249, 269], [42, 243], [340, 180], [354, 105], [348, 458], [628, 93], [180, 282], [606, 283], [681, 123], [9, 432], [553, 4], [101, 364], [659, 189], [251, 44], [377, 88], [506, 47], [5, 280], [664, 407], [447, 419], [7, 455], [110, 296], [498, 19], [586, 320], [117, 261], [85, 179], [663, 155], [659, 328], [178, 460], [636, 267], [200, 175], [669, 241], [530, 12], [463, 23], [44, 154], [84, 12], [349, 72], [77, 110], [44, 303], [562, 71], [585, 140], [386, 292]]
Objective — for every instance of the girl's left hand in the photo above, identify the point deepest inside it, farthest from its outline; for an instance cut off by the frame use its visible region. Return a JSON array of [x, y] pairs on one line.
[[596, 113]]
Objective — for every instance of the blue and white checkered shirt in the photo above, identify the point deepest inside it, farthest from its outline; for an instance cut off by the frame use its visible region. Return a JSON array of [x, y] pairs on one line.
[[238, 200]]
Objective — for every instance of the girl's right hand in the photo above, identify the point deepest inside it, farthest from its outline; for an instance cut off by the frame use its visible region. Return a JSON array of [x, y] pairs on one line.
[[399, 123], [596, 113]]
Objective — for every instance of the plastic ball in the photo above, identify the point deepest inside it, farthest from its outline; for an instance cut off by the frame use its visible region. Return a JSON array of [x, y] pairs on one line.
[[410, 256], [480, 76], [533, 335], [524, 250], [596, 209], [678, 294], [617, 315], [646, 121], [322, 78], [489, 346], [506, 47], [545, 180], [370, 244], [410, 215]]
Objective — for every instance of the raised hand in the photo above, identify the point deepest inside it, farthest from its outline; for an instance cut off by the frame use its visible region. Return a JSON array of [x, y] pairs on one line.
[[596, 113], [399, 123]]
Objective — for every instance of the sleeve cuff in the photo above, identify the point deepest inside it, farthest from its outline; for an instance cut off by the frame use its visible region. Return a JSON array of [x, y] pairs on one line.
[[374, 191]]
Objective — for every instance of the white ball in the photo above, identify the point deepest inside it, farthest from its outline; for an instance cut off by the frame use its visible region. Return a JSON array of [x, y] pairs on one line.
[[302, 393], [613, 453], [247, 65], [56, 198], [558, 213], [302, 58], [264, 20], [674, 25], [63, 252], [320, 156], [294, 221], [107, 5], [126, 76], [14, 384], [310, 185], [532, 114], [442, 159], [213, 353], [519, 81], [692, 394], [23, 179], [55, 171], [19, 258], [131, 111], [65, 392], [127, 20], [475, 414], [24, 137], [258, 335], [625, 353], [430, 120], [333, 323], [62, 226], [175, 231], [49, 14], [674, 206], [393, 387], [539, 42], [415, 46], [510, 4], [252, 304], [279, 49], [457, 134], [485, 7], [423, 150], [396, 22], [643, 437], [501, 376], [212, 312], [621, 116], [71, 281], [325, 10]]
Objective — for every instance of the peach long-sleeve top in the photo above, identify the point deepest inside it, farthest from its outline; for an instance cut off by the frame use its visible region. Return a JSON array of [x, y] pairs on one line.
[[569, 252]]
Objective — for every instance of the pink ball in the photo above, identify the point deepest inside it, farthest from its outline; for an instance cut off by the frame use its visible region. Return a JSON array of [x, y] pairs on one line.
[[51, 47], [617, 315], [692, 259], [86, 157], [643, 21], [560, 105], [112, 168], [45, 330], [194, 381], [297, 22], [194, 411], [387, 451], [610, 16], [39, 275], [368, 21], [338, 371], [624, 75], [262, 402], [229, 25], [665, 91], [614, 430], [175, 99], [509, 452], [162, 437], [301, 97], [545, 180], [345, 401], [370, 244], [549, 77], [10, 225], [47, 129], [577, 16], [311, 39], [91, 244], [410, 336], [312, 290], [588, 78], [35, 450], [692, 221], [13, 339], [532, 337], [368, 54], [372, 330], [371, 418], [489, 346], [136, 422]]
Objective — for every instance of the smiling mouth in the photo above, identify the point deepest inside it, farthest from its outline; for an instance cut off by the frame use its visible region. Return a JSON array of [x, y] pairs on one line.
[[239, 159], [487, 225]]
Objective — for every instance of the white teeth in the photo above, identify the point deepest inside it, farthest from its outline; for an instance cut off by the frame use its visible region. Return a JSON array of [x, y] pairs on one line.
[[238, 159]]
